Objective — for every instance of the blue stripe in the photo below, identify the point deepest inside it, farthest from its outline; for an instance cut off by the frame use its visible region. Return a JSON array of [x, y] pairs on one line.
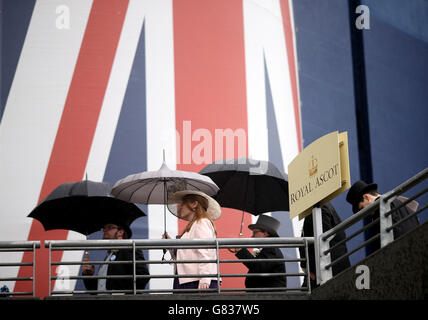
[[14, 21], [128, 153], [275, 156]]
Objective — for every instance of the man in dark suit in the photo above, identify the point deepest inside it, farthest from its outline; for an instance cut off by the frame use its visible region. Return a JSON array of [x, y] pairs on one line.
[[117, 232], [361, 195], [330, 219], [265, 226]]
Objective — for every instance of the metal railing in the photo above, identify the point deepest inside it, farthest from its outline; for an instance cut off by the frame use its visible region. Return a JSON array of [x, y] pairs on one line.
[[320, 241], [217, 244], [383, 205], [19, 246]]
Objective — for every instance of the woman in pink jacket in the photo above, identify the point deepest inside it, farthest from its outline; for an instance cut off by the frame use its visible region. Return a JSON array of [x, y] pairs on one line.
[[200, 210]]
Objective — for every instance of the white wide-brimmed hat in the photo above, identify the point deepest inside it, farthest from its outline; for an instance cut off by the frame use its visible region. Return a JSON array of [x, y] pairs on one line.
[[213, 210]]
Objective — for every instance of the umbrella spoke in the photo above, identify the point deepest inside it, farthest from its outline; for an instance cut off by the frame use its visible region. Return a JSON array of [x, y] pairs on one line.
[[194, 185], [141, 185], [127, 187]]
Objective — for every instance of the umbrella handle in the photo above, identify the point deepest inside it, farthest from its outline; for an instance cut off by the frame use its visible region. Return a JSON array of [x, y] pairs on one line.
[[235, 250], [86, 258], [242, 224], [164, 205]]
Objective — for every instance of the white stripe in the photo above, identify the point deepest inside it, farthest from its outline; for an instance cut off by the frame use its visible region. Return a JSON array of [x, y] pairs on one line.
[[115, 91], [110, 111], [160, 109], [160, 119], [33, 111], [264, 35], [255, 75]]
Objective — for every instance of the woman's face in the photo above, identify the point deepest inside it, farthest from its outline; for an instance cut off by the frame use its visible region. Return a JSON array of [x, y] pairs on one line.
[[184, 209]]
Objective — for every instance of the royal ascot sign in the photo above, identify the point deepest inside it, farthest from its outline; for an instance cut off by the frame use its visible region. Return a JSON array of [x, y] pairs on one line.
[[318, 174]]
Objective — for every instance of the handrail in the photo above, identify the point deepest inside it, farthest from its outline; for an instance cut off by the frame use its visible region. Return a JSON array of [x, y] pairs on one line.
[[221, 243], [382, 205], [20, 246], [172, 243], [421, 176], [351, 220]]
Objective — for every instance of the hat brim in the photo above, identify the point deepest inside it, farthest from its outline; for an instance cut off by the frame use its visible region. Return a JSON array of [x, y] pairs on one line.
[[271, 231], [367, 188], [213, 210]]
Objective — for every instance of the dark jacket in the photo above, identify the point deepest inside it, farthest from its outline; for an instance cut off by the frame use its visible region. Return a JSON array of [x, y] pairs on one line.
[[330, 219], [398, 231], [123, 269], [264, 267]]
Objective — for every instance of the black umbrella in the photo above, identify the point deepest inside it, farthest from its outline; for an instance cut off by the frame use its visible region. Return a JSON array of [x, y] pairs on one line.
[[85, 207], [249, 185]]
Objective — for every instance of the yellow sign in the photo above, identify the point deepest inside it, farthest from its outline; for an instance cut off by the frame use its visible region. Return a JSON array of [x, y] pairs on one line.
[[318, 174]]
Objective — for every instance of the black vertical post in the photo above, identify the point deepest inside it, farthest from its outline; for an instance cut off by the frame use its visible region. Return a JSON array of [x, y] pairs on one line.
[[360, 97]]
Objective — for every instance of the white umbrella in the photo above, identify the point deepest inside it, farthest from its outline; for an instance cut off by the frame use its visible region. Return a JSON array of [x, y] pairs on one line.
[[154, 187]]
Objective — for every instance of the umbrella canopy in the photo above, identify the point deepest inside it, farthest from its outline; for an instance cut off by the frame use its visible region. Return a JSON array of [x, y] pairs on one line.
[[84, 207], [153, 187], [249, 185]]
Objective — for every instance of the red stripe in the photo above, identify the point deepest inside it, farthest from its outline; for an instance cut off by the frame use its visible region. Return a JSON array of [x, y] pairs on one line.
[[292, 62], [78, 122], [210, 89]]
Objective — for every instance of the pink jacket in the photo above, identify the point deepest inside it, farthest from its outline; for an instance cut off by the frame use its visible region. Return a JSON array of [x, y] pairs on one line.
[[202, 229]]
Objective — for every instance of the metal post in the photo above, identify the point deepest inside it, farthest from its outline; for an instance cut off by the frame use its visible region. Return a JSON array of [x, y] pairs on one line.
[[317, 224], [325, 260], [321, 261], [386, 236], [50, 263], [134, 268], [308, 269], [218, 266], [34, 269]]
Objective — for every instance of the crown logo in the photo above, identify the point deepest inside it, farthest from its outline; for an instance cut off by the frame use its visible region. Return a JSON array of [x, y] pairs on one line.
[[313, 166]]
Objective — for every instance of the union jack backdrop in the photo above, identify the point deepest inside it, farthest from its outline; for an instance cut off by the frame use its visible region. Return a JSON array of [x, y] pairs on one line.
[[102, 87]]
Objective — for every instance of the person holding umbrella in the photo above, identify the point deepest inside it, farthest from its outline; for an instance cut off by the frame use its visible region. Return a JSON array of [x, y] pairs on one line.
[[249, 185], [200, 210], [266, 226], [116, 231], [86, 207]]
